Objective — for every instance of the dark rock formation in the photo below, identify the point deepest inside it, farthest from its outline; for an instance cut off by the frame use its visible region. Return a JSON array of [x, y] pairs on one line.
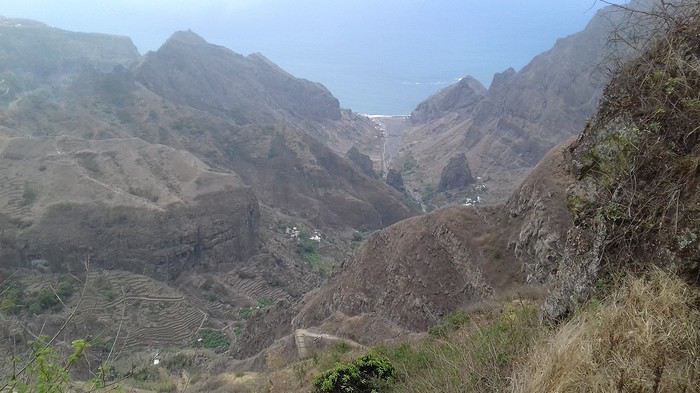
[[456, 175], [395, 180], [362, 161]]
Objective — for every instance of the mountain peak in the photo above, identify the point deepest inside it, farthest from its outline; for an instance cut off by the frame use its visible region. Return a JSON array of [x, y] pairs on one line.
[[472, 83], [186, 37], [16, 22], [460, 96]]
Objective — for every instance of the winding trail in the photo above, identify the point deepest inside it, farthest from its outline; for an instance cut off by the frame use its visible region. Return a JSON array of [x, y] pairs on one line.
[[305, 341]]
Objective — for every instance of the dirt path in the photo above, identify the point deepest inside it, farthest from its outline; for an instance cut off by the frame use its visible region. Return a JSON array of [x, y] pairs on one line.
[[306, 341]]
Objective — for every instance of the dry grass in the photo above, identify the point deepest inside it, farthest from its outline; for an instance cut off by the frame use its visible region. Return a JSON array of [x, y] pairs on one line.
[[644, 338], [477, 356]]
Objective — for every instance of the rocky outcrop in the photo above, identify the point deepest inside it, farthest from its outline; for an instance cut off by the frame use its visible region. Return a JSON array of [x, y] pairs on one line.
[[539, 213], [395, 180], [456, 175], [362, 161]]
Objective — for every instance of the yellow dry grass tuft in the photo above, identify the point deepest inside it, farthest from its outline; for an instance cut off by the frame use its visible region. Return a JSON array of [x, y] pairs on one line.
[[644, 338]]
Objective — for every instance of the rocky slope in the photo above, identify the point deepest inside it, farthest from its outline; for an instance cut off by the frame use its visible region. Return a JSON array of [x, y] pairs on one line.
[[622, 197], [506, 130], [277, 155], [193, 159], [215, 79], [128, 204], [461, 97], [426, 267]]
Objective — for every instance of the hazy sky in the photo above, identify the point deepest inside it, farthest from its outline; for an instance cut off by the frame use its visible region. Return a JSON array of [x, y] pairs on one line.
[[376, 56]]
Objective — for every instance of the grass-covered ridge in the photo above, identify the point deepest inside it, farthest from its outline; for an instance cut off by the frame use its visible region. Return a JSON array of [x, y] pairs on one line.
[[643, 337]]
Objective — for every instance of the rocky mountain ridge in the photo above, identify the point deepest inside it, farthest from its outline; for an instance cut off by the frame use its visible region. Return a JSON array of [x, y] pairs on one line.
[[505, 130], [192, 159]]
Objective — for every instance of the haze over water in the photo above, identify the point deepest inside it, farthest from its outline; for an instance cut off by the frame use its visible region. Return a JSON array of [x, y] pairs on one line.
[[378, 57]]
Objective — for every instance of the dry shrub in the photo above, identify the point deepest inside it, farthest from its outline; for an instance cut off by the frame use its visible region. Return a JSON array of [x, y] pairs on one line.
[[644, 338]]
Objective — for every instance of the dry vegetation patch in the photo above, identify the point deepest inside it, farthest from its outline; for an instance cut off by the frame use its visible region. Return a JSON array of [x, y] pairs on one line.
[[644, 338]]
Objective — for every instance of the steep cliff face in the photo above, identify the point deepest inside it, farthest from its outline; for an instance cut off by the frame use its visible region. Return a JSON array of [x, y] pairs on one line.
[[362, 161], [635, 201], [125, 203], [541, 217], [395, 180], [506, 130]]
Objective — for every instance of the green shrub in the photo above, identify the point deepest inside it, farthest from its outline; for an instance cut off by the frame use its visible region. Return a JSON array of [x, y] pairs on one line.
[[44, 300], [245, 312], [165, 387], [409, 165], [47, 372], [358, 236], [265, 303], [452, 323], [11, 299], [65, 288], [367, 374], [308, 250], [212, 339]]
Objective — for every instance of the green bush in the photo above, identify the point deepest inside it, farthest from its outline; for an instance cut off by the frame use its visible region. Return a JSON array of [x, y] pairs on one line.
[[452, 323], [11, 299], [44, 300], [47, 371], [368, 374], [245, 312], [265, 303], [213, 339]]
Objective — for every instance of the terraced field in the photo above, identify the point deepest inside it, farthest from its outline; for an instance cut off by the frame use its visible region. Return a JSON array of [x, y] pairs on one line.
[[138, 312], [15, 197], [254, 287]]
